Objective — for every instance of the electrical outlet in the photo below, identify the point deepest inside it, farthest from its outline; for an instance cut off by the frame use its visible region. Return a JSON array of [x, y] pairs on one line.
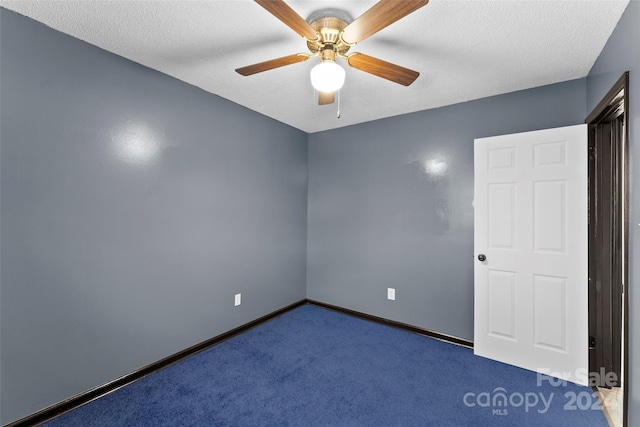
[[238, 299], [391, 294]]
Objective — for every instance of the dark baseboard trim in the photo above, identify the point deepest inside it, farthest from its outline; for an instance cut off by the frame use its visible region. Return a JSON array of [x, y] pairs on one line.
[[74, 402], [399, 325]]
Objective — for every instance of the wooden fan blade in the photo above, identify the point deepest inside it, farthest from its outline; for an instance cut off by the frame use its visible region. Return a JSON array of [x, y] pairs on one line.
[[325, 98], [289, 17], [384, 69], [271, 64], [379, 16]]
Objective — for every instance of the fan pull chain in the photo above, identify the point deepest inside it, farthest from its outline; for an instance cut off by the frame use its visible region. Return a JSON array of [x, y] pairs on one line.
[[338, 113]]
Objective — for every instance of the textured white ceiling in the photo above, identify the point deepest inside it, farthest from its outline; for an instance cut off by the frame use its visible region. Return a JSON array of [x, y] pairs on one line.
[[463, 50]]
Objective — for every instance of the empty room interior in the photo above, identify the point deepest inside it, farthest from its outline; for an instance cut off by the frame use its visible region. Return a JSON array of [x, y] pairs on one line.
[[199, 228]]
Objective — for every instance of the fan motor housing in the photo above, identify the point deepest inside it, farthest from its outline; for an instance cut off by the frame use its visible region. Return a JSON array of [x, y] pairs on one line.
[[329, 29]]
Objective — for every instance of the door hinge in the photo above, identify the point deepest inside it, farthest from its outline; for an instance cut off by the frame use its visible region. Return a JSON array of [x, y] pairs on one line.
[[592, 343]]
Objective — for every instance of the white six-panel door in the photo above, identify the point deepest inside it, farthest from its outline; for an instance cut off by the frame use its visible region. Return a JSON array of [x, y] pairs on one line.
[[531, 292]]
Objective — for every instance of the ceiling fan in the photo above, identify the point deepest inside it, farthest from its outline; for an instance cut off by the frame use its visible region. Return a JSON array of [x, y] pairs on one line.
[[330, 37]]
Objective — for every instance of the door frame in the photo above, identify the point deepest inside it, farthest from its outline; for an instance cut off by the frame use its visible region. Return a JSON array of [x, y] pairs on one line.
[[614, 104]]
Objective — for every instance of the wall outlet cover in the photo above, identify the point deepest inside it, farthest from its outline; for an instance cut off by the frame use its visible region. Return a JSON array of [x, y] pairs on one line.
[[391, 294], [238, 299]]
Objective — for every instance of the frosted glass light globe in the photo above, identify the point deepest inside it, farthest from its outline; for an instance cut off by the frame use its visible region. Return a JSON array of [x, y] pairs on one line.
[[327, 76]]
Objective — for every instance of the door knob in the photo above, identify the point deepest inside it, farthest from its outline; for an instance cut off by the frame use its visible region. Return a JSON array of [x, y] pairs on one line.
[[482, 257]]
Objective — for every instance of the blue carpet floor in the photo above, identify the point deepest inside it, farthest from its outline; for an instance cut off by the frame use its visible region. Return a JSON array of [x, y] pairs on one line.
[[315, 367]]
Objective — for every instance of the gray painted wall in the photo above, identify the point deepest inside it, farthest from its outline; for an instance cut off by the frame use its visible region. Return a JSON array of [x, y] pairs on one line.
[[390, 205], [622, 53], [134, 207]]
